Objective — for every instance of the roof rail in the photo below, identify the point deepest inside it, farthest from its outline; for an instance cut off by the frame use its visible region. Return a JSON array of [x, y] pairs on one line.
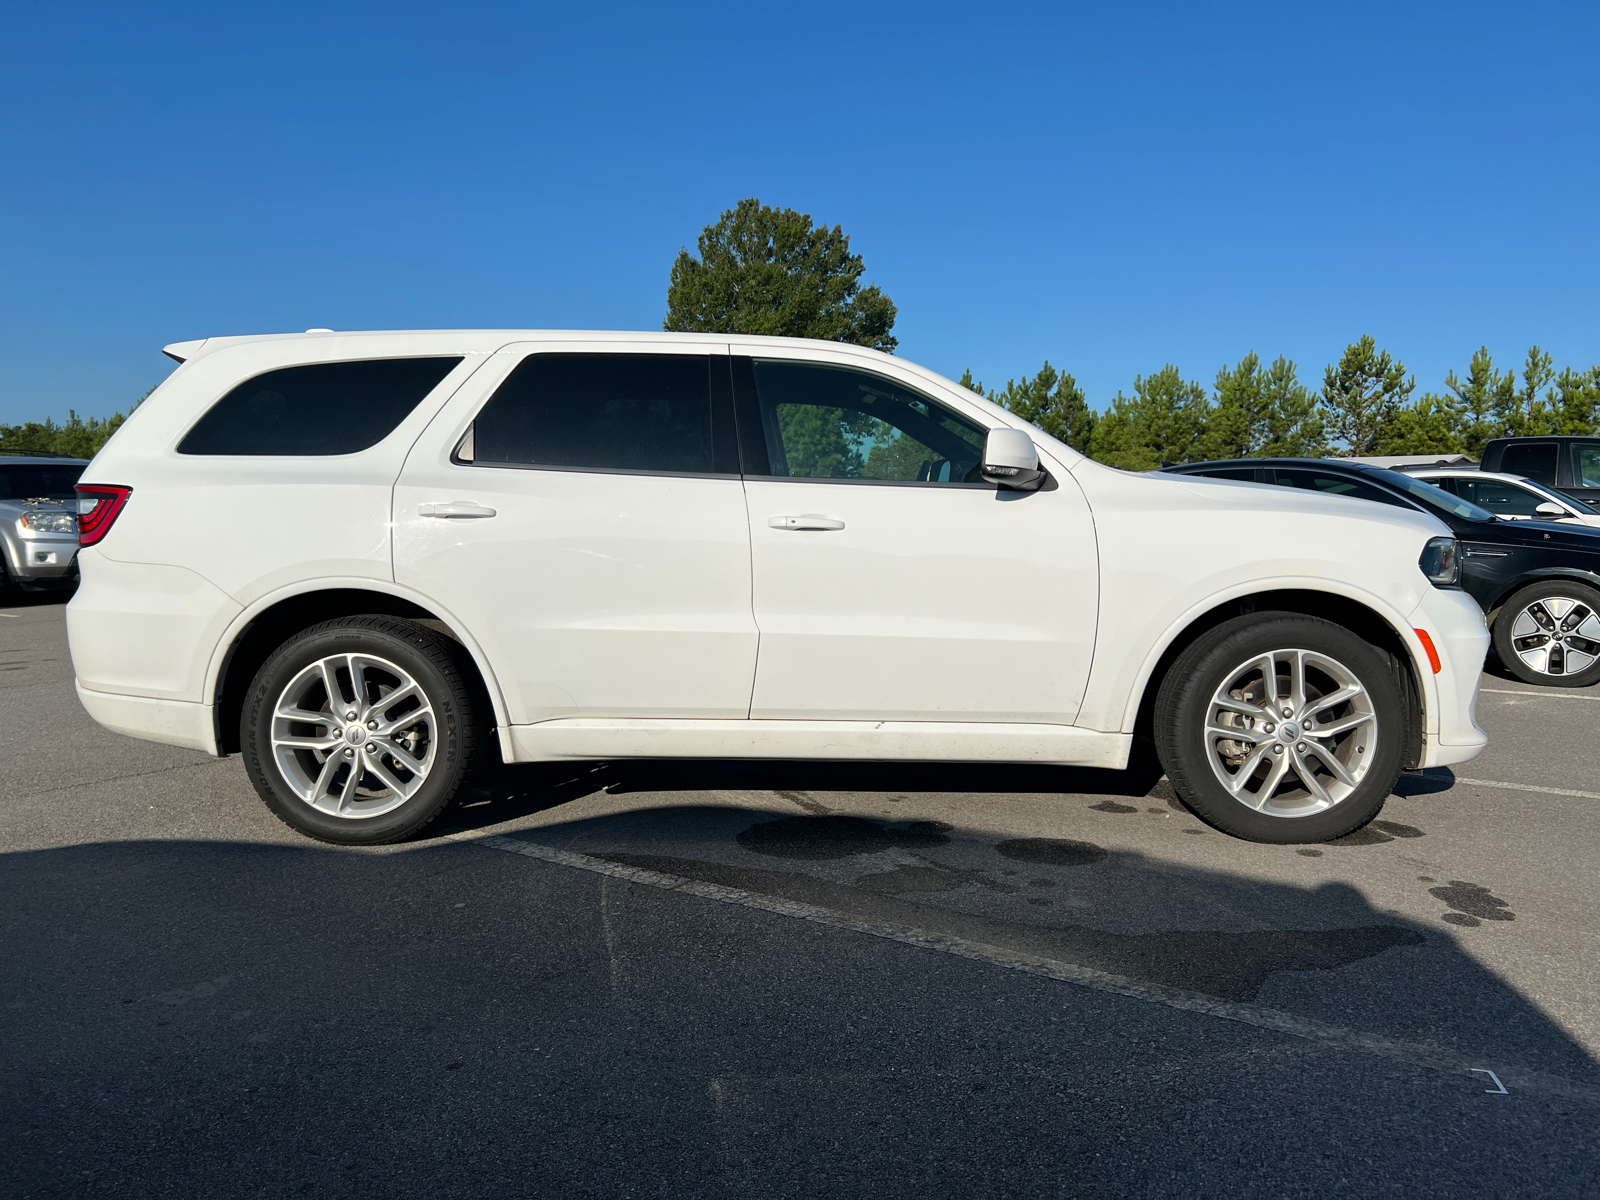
[[38, 454]]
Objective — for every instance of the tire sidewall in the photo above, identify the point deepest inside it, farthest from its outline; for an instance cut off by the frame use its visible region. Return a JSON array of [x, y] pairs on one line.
[[1507, 616], [419, 653], [1182, 706]]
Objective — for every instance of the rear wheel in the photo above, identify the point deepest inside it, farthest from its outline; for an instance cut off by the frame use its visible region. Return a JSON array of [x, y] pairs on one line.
[[1281, 728], [1548, 633], [359, 731]]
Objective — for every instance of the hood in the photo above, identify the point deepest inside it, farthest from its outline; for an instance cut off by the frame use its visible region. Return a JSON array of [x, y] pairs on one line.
[[1157, 489]]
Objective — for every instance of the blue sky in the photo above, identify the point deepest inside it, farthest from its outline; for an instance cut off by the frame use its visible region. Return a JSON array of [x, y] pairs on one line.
[[1112, 187]]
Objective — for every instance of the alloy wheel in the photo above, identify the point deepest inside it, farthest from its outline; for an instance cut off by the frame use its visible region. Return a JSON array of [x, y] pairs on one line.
[[1291, 733], [354, 735], [1557, 635]]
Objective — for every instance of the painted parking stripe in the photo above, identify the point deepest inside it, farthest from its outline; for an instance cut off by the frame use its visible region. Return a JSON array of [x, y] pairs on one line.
[[1247, 1014], [1528, 787], [1553, 694]]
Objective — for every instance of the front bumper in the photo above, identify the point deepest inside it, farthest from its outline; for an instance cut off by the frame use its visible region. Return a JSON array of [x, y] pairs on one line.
[[1456, 625], [42, 560]]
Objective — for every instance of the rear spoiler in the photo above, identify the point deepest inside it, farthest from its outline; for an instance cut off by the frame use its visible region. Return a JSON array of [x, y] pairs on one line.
[[183, 351]]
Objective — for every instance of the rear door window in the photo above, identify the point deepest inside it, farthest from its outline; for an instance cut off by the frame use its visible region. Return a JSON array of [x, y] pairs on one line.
[[1586, 465], [316, 409], [1531, 460], [1501, 498], [648, 413], [1335, 485]]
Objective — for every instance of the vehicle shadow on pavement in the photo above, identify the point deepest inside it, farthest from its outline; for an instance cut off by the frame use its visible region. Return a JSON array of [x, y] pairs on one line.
[[504, 793], [202, 1018]]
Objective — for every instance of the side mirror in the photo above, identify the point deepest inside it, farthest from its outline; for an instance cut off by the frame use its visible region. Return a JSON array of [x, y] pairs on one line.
[[1551, 511], [1012, 460]]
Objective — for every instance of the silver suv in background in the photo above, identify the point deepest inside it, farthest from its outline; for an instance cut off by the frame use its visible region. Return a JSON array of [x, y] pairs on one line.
[[38, 523]]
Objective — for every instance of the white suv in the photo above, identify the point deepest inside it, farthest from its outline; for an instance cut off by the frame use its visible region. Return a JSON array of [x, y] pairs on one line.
[[366, 560]]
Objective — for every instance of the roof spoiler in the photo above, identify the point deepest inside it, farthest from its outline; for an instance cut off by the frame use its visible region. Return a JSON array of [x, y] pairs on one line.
[[183, 351]]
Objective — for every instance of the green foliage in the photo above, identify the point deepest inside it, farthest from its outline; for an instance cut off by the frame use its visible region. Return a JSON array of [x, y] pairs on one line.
[[1052, 401], [771, 271], [77, 437], [1262, 413], [1162, 422], [1361, 393]]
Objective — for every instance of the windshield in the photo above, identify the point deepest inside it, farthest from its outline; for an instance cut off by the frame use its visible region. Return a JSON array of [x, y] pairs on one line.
[[38, 481], [1437, 497]]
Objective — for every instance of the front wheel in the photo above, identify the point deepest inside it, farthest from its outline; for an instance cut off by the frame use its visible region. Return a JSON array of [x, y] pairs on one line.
[[1281, 728], [1548, 633], [359, 731]]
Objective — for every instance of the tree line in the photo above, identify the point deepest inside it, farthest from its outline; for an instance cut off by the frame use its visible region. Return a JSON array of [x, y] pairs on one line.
[[1258, 410]]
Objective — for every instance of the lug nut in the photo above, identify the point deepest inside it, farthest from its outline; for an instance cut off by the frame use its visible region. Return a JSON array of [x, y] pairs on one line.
[[349, 716], [1277, 749], [1288, 712], [349, 753], [1301, 747], [372, 747], [1268, 727], [372, 724]]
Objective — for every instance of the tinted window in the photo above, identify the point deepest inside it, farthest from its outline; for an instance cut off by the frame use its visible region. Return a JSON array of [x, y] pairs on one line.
[[1246, 474], [1585, 465], [1532, 460], [614, 412], [1337, 485], [825, 422], [1502, 499], [321, 408], [35, 481], [1435, 497]]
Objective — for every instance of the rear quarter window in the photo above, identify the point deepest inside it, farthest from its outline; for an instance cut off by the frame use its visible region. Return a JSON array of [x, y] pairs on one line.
[[317, 409]]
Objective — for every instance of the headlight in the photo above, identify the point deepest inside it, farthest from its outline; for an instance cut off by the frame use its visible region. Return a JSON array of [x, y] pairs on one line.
[[47, 521], [1441, 561]]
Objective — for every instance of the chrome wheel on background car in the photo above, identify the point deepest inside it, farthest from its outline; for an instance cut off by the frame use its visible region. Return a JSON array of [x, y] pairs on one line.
[[354, 735], [1279, 727], [1549, 633], [360, 730], [1291, 732]]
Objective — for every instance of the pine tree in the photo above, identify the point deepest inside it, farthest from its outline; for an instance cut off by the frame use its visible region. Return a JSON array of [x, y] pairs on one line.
[[771, 271], [1362, 393], [1162, 422]]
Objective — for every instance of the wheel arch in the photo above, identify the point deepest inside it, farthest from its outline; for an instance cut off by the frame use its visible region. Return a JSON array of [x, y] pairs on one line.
[[1361, 619], [1575, 573], [273, 619]]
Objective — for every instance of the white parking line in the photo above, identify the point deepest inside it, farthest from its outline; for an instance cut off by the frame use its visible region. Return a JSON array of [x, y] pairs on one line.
[[1552, 694], [1528, 787], [1247, 1014]]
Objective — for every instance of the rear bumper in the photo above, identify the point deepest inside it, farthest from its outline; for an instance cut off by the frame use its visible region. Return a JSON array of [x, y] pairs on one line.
[[173, 722], [1455, 623]]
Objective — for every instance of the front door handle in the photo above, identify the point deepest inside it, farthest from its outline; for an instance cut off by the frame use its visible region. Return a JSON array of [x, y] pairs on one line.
[[808, 521], [455, 508]]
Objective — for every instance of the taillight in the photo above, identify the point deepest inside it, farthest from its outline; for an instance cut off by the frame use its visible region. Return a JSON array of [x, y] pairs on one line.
[[98, 506]]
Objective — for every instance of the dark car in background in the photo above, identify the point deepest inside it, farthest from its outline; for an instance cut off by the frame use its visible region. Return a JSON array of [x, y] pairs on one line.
[[1538, 581], [1568, 464], [38, 523]]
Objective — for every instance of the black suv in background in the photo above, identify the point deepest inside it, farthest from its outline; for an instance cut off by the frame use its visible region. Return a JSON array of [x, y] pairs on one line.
[[1539, 581], [1568, 464]]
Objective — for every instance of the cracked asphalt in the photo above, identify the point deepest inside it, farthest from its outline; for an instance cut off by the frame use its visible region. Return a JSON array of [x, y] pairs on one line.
[[790, 979]]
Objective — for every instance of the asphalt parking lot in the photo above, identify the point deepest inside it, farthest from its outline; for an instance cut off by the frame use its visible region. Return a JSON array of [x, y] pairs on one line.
[[791, 979]]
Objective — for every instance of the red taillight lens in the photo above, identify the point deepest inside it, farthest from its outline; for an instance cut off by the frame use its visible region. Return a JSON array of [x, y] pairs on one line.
[[98, 506]]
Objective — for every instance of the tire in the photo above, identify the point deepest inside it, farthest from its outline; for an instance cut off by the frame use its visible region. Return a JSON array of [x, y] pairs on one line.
[[1222, 675], [414, 737], [1523, 631]]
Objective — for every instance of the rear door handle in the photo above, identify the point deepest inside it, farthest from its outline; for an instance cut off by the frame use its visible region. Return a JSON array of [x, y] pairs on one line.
[[455, 508], [808, 521]]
